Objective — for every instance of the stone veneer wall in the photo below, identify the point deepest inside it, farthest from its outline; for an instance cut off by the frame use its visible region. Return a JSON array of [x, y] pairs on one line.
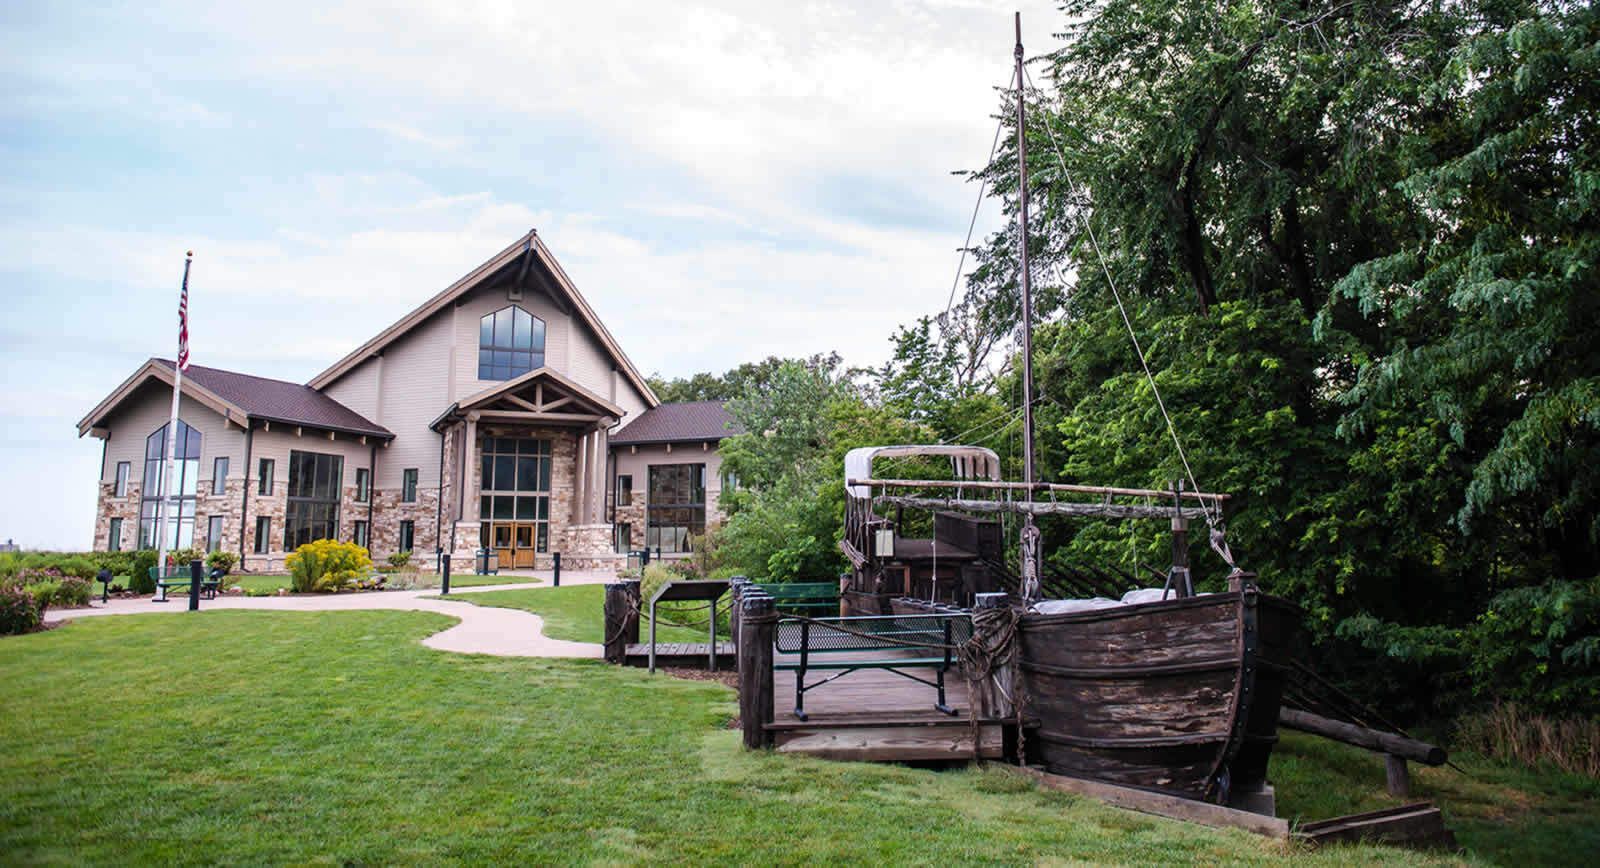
[[125, 508], [633, 515], [388, 512]]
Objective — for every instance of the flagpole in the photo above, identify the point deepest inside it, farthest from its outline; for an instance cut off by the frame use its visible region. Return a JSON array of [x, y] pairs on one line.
[[168, 502]]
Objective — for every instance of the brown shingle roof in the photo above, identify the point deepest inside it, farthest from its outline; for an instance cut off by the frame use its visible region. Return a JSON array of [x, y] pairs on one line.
[[280, 401], [675, 423]]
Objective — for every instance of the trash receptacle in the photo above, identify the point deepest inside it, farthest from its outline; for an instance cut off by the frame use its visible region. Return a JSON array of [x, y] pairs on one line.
[[487, 562]]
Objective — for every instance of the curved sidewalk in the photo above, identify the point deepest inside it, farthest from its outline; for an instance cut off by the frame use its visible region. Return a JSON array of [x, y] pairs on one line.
[[481, 629]]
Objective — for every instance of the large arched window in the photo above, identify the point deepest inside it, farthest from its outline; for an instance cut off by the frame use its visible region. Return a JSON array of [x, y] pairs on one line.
[[510, 344], [179, 519]]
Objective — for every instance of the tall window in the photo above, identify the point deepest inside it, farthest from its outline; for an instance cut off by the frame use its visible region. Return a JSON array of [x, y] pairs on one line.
[[363, 484], [407, 534], [676, 506], [263, 533], [121, 487], [313, 509], [515, 478], [625, 490], [408, 485], [359, 534], [214, 534], [264, 477], [114, 538], [624, 541], [510, 343], [219, 475], [179, 515]]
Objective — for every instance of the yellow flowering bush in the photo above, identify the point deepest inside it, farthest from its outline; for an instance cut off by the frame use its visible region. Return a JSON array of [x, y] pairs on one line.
[[327, 566]]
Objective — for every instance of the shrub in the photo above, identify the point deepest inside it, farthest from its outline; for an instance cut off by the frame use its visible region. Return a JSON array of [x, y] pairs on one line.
[[326, 566], [19, 612], [139, 580], [399, 559], [178, 559], [222, 560], [1511, 732], [74, 592], [43, 593]]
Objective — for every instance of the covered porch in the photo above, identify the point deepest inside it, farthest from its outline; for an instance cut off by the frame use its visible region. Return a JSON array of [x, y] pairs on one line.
[[524, 469]]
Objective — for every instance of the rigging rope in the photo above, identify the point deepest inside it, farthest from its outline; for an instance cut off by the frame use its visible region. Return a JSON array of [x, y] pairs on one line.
[[1218, 530]]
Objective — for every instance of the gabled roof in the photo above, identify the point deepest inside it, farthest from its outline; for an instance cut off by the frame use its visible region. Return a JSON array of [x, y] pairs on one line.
[[564, 401], [528, 245], [678, 423], [241, 398]]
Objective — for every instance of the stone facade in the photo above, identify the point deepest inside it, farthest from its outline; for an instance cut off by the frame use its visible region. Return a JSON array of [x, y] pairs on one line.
[[387, 513], [633, 515], [126, 508], [589, 548]]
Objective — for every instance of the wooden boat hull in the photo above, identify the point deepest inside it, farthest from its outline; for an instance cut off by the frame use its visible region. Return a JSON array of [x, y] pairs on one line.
[[1180, 696]]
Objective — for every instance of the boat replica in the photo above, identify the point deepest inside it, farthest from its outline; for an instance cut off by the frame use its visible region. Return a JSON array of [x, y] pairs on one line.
[[1162, 688]]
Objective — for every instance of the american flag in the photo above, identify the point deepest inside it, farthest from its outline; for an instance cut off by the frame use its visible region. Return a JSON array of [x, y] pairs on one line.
[[183, 320]]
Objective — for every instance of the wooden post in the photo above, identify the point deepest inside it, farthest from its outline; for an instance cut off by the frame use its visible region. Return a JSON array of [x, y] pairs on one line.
[[991, 695], [1397, 774], [616, 623], [736, 588], [759, 621]]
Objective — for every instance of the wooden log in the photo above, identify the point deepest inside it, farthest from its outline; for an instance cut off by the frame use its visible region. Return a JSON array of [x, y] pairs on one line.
[[759, 623], [1397, 775], [1041, 507], [986, 485], [1360, 736], [1163, 805], [993, 693], [615, 630]]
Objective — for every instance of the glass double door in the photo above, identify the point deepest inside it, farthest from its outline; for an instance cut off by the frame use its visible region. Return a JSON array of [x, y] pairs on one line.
[[515, 544]]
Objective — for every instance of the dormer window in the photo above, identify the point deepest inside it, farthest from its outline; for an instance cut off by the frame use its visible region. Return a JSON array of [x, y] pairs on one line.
[[510, 344]]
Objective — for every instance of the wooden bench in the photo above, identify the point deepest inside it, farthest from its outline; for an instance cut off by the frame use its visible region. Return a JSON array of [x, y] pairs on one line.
[[813, 599], [175, 581], [878, 642]]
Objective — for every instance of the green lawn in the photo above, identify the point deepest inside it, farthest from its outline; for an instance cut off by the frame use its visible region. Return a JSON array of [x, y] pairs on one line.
[[337, 737], [576, 613]]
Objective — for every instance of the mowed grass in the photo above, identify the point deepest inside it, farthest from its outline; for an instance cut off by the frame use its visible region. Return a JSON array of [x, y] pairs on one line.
[[576, 613], [253, 737]]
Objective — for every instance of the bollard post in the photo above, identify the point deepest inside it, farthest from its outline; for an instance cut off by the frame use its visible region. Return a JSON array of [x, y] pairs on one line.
[[444, 575], [197, 573], [555, 580], [616, 623], [644, 557], [759, 621]]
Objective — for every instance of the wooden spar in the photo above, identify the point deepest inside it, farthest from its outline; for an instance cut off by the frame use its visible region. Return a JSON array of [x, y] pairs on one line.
[[987, 485], [1029, 550], [1042, 507], [1360, 736]]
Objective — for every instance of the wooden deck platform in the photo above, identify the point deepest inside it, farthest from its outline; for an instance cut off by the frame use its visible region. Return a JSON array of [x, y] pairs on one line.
[[874, 715], [688, 654]]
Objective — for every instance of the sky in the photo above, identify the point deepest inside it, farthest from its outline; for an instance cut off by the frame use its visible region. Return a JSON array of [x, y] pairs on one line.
[[724, 181]]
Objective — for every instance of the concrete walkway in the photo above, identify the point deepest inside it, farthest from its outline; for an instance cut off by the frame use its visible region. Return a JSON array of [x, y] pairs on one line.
[[481, 629]]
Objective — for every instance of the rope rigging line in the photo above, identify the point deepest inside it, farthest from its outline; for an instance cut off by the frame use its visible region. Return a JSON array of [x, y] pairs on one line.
[[1218, 530], [983, 185]]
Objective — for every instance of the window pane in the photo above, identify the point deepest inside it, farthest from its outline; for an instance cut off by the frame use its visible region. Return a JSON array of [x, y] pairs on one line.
[[544, 475], [521, 363], [525, 508], [543, 542], [527, 474], [538, 360], [502, 328], [544, 509], [505, 473], [522, 335], [537, 342], [503, 507], [486, 332], [485, 507]]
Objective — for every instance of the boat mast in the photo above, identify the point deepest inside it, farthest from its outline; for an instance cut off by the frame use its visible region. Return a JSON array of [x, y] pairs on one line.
[[1030, 533]]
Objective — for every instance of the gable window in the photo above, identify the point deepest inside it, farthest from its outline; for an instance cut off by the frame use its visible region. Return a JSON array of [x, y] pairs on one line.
[[363, 484], [510, 344], [675, 506], [264, 477], [121, 487], [408, 485], [313, 508], [219, 475], [178, 516], [263, 533]]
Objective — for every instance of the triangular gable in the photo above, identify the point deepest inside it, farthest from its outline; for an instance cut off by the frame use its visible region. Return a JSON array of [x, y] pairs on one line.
[[528, 245], [541, 395], [153, 370]]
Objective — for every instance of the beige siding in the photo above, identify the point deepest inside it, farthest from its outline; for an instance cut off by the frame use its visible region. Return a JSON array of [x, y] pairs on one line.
[[147, 409], [358, 389], [416, 372]]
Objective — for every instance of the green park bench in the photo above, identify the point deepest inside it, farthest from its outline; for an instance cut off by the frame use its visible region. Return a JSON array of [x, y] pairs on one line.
[[875, 642], [812, 599], [178, 579]]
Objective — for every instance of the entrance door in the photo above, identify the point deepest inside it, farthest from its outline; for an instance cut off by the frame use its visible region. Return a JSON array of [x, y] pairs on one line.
[[502, 546], [522, 543]]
